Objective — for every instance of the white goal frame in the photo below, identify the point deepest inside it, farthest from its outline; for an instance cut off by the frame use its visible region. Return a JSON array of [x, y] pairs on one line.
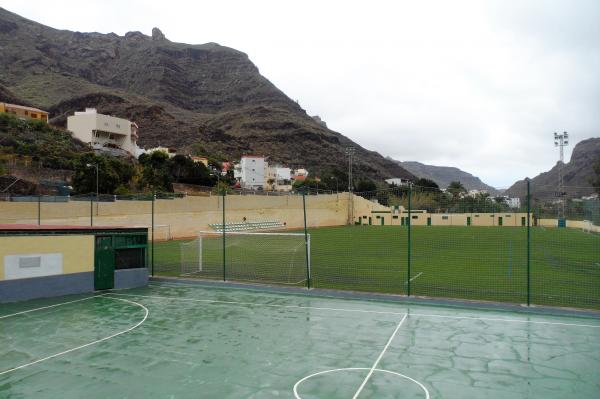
[[219, 234]]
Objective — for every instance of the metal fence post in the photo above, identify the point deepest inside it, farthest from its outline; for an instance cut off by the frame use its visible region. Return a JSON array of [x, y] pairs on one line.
[[152, 264], [409, 242], [306, 244], [223, 229], [528, 242]]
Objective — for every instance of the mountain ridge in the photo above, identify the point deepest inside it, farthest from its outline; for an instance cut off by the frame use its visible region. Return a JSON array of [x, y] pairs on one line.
[[444, 175], [179, 95], [577, 174]]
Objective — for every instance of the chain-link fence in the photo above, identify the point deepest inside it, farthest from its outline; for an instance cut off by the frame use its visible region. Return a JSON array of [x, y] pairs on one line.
[[541, 248]]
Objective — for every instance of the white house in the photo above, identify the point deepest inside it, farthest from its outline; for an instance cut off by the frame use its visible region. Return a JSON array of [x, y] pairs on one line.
[[278, 178], [513, 202], [104, 132], [397, 181], [252, 172]]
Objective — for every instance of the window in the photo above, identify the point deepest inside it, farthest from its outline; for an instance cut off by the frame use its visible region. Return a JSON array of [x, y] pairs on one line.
[[30, 261], [130, 258], [394, 217], [415, 217], [444, 217], [33, 115], [364, 217], [26, 112], [508, 216], [476, 216], [378, 217]]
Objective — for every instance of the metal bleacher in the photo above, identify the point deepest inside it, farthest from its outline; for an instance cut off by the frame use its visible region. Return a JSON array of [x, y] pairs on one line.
[[247, 225]]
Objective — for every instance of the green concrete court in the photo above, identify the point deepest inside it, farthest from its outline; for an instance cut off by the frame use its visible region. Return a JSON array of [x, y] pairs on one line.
[[192, 341]]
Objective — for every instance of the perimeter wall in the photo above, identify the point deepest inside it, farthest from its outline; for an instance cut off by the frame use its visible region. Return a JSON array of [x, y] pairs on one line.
[[184, 217]]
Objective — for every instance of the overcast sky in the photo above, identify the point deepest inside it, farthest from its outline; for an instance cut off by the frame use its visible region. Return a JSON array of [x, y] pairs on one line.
[[481, 85]]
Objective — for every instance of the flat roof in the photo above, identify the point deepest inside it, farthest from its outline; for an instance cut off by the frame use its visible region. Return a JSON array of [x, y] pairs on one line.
[[41, 229]]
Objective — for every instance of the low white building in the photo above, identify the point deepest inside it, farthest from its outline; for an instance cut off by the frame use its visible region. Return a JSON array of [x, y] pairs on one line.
[[104, 132], [397, 181], [513, 202], [252, 172], [278, 178]]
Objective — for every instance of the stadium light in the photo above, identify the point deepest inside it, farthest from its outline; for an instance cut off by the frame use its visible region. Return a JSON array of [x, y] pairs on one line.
[[350, 154], [561, 141], [95, 165]]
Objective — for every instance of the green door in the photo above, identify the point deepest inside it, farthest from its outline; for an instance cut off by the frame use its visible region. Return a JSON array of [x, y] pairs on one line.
[[370, 221], [523, 221], [468, 220], [104, 264], [382, 221], [428, 221], [499, 220]]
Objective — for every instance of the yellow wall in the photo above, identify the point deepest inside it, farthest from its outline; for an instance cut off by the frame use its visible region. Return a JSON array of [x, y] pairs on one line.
[[184, 217], [78, 251], [24, 112]]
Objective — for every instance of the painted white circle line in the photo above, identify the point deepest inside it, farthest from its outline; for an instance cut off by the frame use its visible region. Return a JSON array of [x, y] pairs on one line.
[[296, 385], [146, 312]]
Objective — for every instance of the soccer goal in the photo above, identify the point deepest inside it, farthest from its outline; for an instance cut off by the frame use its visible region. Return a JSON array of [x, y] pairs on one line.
[[278, 258]]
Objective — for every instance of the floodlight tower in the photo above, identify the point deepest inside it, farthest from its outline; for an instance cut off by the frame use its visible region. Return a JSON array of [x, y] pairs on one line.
[[561, 141], [350, 155]]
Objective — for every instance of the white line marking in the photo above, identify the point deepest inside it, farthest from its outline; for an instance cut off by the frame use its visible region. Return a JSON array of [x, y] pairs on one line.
[[552, 323], [358, 369], [259, 304], [413, 278], [88, 344], [374, 366], [50, 306], [358, 310]]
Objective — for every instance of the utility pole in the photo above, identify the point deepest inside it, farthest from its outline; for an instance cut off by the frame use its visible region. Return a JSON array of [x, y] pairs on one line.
[[561, 141], [95, 165], [350, 154]]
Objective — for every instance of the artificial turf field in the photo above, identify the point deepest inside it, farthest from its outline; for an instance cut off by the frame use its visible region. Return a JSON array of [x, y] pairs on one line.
[[481, 263]]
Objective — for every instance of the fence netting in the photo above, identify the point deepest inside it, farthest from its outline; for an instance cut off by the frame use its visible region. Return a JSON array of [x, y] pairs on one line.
[[541, 247]]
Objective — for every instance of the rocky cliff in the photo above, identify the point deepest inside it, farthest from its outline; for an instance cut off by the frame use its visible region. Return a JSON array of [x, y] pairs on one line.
[[577, 174], [444, 175], [179, 94]]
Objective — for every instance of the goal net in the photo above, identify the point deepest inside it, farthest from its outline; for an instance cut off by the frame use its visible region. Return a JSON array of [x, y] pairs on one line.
[[278, 258]]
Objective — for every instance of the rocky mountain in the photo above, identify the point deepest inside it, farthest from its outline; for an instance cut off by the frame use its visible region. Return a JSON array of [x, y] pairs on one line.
[[444, 175], [577, 174], [179, 94]]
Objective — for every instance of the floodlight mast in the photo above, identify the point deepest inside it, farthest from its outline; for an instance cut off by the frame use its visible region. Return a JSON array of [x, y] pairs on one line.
[[350, 154], [561, 141]]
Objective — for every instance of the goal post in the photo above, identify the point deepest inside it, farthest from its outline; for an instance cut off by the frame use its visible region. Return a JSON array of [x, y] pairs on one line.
[[267, 257]]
